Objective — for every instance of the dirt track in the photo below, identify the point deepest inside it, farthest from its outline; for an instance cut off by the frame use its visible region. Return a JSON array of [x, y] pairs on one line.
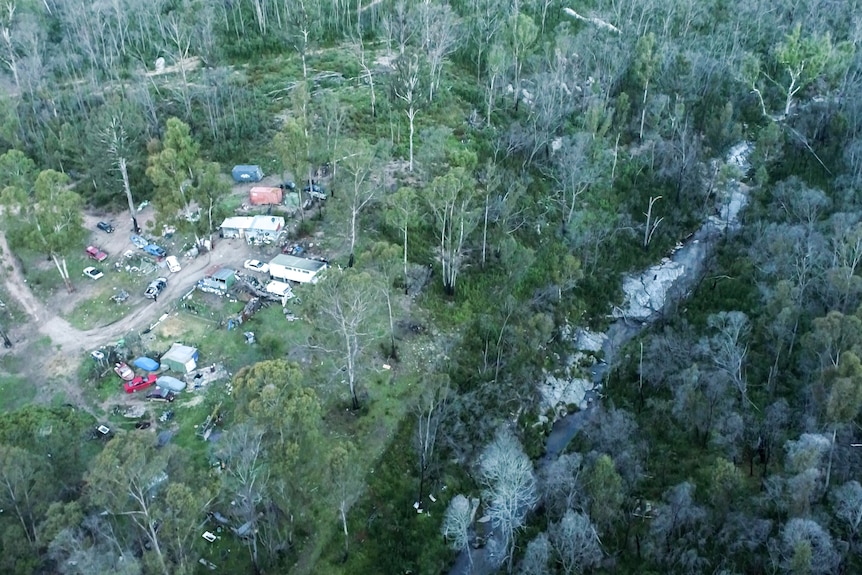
[[68, 344]]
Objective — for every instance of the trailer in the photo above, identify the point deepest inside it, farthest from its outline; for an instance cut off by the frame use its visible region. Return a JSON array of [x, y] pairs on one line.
[[291, 268], [263, 196], [244, 173]]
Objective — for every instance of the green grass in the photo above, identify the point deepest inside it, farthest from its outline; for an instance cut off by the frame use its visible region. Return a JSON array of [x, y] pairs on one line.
[[15, 391], [97, 311]]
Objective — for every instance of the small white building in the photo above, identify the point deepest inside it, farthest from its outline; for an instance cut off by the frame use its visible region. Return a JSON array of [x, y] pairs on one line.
[[291, 268], [265, 229], [235, 227], [255, 229], [281, 290]]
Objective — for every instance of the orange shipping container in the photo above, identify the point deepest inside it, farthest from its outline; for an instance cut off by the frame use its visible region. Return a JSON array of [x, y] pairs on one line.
[[259, 196]]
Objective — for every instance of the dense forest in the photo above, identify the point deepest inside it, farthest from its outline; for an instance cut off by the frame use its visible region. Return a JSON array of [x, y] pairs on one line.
[[529, 153]]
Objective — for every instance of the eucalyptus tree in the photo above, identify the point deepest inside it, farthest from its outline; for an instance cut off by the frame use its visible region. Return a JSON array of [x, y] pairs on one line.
[[484, 19], [575, 543], [8, 35], [122, 481], [48, 219], [172, 167], [246, 482], [506, 473], [407, 88], [275, 451], [456, 525], [806, 547], [430, 411], [800, 61], [450, 201], [25, 488], [439, 31], [346, 301], [181, 179], [519, 35], [114, 138], [679, 530], [361, 189], [402, 211], [537, 556]]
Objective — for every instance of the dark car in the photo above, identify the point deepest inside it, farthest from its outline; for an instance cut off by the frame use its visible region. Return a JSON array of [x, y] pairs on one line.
[[155, 288], [161, 395], [105, 227], [313, 188], [288, 185]]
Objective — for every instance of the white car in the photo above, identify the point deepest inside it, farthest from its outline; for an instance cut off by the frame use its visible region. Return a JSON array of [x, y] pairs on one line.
[[256, 266], [173, 264], [93, 273]]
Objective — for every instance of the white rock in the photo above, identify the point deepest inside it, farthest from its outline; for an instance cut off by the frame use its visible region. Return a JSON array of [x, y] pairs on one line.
[[563, 391], [647, 292], [739, 156], [589, 341]]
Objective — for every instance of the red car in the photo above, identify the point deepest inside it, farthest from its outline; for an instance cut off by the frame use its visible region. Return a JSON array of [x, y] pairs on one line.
[[140, 382], [96, 254]]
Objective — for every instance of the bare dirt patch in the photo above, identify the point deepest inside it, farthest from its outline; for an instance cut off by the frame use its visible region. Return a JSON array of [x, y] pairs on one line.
[[69, 346]]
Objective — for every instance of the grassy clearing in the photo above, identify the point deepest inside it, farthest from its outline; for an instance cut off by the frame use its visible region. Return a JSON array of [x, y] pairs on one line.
[[97, 311], [15, 391]]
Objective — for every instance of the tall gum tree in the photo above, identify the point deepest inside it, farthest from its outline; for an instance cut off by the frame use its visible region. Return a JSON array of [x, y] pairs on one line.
[[450, 201], [48, 220]]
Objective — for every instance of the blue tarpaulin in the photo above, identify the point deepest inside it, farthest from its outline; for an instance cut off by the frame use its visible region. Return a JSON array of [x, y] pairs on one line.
[[146, 364]]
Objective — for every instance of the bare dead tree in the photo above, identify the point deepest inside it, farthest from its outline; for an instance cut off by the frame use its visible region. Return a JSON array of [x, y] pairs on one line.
[[114, 137], [651, 224], [430, 411], [439, 29], [407, 90], [9, 57], [510, 487]]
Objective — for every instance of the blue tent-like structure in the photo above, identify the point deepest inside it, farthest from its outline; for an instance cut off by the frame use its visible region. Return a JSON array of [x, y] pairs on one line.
[[146, 364]]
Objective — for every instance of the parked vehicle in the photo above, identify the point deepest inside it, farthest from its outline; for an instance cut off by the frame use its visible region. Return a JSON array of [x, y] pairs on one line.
[[96, 254], [140, 382], [246, 173], [170, 383], [161, 395], [155, 288], [256, 266], [138, 241], [155, 251], [173, 264], [120, 296], [93, 273], [146, 363], [124, 371], [105, 227]]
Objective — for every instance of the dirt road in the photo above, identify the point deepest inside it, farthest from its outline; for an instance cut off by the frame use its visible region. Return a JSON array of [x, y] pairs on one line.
[[68, 344]]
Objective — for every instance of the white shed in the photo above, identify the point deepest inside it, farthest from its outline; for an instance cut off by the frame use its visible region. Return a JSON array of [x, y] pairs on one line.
[[235, 227], [265, 228], [291, 268]]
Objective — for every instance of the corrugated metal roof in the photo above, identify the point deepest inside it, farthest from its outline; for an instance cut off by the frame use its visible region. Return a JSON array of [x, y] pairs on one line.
[[267, 223], [237, 222], [295, 262]]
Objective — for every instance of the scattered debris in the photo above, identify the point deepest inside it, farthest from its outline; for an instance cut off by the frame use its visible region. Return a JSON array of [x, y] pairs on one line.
[[135, 412]]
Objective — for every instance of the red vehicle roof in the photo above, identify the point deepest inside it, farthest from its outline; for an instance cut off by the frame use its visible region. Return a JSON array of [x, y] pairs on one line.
[[140, 382], [96, 253]]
